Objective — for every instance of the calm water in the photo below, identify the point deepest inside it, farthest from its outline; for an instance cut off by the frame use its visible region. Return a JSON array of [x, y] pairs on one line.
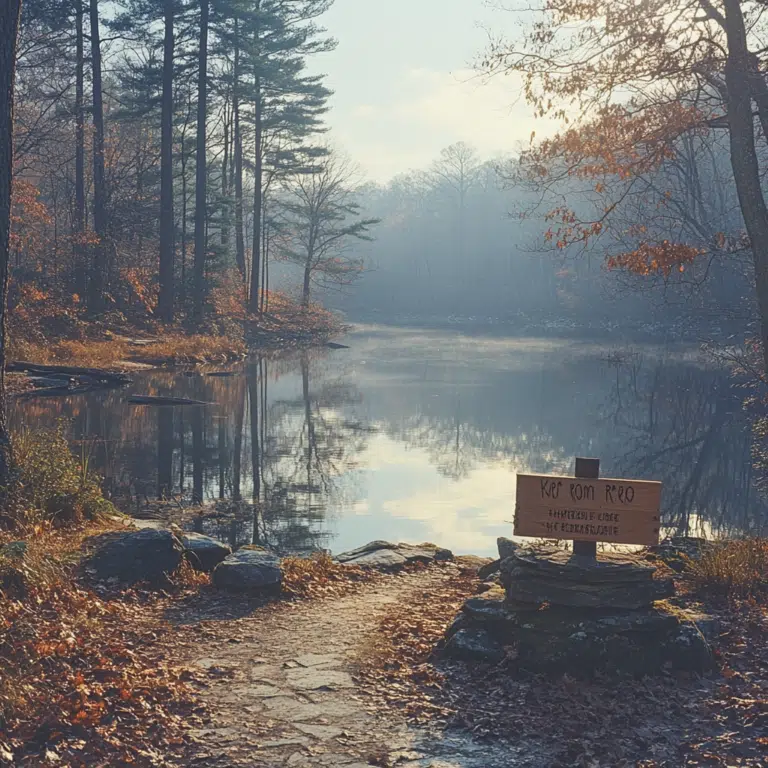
[[417, 435]]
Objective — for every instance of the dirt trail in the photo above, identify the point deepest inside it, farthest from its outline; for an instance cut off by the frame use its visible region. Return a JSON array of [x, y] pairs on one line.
[[282, 689]]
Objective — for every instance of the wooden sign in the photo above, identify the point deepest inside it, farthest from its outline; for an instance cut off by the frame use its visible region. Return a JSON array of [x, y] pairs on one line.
[[616, 511]]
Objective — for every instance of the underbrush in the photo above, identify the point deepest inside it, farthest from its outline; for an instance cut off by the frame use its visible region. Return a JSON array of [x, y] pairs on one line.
[[51, 486], [737, 568], [50, 329], [83, 681]]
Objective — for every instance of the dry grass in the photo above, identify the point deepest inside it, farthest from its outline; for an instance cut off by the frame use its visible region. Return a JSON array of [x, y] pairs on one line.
[[738, 568], [173, 349]]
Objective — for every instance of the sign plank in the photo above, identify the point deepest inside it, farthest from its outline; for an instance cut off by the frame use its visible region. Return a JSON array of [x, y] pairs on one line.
[[611, 510]]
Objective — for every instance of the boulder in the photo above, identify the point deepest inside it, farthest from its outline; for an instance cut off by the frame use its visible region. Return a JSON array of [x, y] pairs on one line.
[[145, 555], [489, 569], [203, 552], [385, 555], [248, 570], [638, 642], [506, 547], [474, 645]]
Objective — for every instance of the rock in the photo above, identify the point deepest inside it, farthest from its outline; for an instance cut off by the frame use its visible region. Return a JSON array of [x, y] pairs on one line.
[[629, 595], [385, 555], [248, 570], [489, 569], [561, 564], [639, 642], [506, 547], [203, 552], [474, 645], [491, 614], [614, 581], [145, 555]]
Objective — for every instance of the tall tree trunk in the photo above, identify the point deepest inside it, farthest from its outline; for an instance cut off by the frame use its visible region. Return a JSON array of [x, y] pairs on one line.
[[166, 295], [98, 266], [200, 167], [253, 407], [258, 173], [224, 175], [239, 234], [746, 170], [79, 123], [305, 290], [10, 11]]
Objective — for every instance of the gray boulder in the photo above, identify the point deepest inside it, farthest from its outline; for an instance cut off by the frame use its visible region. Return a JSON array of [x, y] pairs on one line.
[[146, 555], [249, 570], [474, 645], [385, 555], [203, 552], [506, 547]]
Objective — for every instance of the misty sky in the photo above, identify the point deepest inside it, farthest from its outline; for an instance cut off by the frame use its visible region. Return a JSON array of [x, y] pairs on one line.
[[404, 84]]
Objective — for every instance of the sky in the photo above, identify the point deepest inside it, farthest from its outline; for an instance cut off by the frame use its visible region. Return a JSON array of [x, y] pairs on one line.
[[405, 88]]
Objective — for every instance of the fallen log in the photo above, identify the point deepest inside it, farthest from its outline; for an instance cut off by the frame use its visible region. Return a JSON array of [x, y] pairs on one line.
[[98, 374], [152, 400], [57, 391]]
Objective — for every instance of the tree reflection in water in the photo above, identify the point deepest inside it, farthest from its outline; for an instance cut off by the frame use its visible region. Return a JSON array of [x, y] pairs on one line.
[[282, 451]]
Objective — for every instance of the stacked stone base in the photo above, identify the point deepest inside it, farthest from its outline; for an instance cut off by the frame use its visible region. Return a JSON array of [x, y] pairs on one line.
[[556, 612]]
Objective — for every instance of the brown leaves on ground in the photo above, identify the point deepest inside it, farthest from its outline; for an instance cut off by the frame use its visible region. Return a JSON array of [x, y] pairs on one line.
[[662, 722], [84, 682], [320, 576], [396, 661]]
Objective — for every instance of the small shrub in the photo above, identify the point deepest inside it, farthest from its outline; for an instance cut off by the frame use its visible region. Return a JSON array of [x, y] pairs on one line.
[[52, 486], [735, 567]]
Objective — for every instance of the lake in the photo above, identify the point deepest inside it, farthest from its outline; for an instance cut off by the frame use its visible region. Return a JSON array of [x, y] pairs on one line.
[[417, 435]]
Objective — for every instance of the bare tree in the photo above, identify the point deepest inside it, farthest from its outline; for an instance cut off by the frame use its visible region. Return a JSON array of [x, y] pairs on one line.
[[323, 218]]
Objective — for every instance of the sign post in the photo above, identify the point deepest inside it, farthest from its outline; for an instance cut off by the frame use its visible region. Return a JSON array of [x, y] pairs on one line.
[[588, 509], [589, 469]]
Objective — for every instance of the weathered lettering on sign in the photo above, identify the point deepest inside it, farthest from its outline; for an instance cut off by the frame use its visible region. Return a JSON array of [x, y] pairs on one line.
[[618, 511]]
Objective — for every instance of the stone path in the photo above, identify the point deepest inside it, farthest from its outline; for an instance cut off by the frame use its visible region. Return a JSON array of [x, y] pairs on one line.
[[282, 691]]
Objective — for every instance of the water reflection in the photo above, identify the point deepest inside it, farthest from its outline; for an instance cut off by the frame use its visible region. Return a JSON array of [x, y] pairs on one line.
[[418, 436]]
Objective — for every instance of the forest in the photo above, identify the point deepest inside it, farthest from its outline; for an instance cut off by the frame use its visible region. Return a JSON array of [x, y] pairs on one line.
[[268, 418]]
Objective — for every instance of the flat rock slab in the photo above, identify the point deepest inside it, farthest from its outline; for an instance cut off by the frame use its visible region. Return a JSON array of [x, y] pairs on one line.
[[553, 563], [314, 679], [292, 710], [385, 555], [248, 570], [317, 660], [321, 732], [522, 588]]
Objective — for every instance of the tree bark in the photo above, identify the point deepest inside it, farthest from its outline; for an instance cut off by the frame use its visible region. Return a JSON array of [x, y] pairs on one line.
[[258, 173], [167, 226], [10, 12], [744, 160], [98, 266], [239, 234], [79, 124], [201, 175]]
